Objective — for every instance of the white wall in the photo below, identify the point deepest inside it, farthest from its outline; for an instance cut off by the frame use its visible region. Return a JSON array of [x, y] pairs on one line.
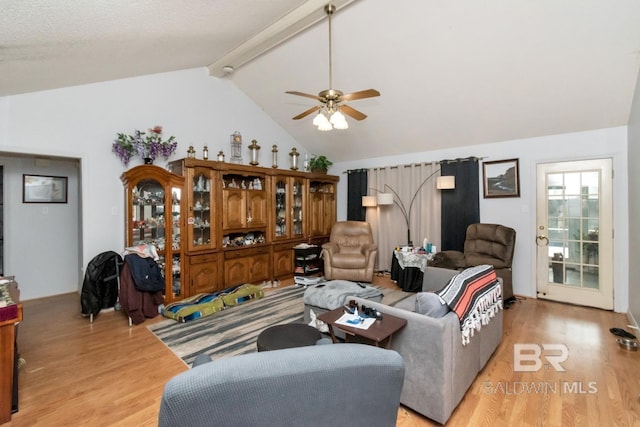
[[41, 240], [519, 213], [82, 121]]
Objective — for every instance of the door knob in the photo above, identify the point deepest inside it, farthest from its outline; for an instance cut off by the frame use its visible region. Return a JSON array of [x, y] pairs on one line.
[[542, 238]]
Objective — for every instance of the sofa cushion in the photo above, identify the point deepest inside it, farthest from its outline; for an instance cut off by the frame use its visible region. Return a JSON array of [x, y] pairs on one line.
[[349, 260], [429, 304]]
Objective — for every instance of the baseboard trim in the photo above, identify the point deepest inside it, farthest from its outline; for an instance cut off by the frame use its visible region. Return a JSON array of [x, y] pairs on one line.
[[632, 321]]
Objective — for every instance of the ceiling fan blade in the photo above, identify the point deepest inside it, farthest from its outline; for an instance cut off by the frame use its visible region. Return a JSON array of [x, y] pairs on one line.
[[369, 93], [306, 113], [308, 95], [349, 111]]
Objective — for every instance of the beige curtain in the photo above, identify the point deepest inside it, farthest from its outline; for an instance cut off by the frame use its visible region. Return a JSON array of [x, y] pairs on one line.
[[388, 223]]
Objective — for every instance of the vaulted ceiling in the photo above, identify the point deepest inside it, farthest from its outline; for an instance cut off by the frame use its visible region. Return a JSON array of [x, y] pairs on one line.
[[450, 73]]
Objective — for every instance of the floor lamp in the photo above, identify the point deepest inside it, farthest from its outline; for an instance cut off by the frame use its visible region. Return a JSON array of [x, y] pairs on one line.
[[384, 199]]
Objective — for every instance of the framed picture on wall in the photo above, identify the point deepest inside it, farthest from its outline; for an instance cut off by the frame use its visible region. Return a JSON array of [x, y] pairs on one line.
[[501, 178], [44, 189]]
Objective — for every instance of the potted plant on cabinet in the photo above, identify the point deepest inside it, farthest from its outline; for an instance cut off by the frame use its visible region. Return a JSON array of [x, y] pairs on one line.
[[319, 164]]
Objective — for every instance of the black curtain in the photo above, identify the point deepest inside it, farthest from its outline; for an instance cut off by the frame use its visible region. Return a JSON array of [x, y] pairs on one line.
[[356, 188], [461, 206]]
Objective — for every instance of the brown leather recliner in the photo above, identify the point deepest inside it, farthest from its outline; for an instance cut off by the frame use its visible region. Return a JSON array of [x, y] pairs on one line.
[[491, 244], [350, 253]]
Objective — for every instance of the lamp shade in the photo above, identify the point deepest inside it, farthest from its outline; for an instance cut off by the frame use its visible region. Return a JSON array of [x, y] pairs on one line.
[[385, 199], [447, 182], [369, 201]]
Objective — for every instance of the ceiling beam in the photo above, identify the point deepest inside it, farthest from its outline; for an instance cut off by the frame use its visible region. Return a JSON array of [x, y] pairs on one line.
[[288, 26]]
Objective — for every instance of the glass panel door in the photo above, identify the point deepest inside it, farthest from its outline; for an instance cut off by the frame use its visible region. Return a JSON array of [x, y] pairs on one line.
[[575, 233]]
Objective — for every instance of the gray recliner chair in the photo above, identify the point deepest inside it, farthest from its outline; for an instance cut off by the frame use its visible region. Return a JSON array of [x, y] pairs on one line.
[[350, 253], [324, 385]]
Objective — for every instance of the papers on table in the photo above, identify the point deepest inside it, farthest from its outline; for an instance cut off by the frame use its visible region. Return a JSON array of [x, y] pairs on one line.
[[355, 321]]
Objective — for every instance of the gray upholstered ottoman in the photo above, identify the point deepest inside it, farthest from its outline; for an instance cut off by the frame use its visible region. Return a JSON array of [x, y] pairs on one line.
[[333, 294]]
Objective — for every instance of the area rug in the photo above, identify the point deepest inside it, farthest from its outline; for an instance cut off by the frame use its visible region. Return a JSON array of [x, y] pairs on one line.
[[234, 330]]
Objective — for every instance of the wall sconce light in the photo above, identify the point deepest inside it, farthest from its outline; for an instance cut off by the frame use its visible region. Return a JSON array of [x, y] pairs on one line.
[[369, 201], [254, 148], [447, 182]]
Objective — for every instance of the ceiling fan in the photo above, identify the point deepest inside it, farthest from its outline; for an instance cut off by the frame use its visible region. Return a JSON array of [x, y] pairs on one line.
[[332, 100]]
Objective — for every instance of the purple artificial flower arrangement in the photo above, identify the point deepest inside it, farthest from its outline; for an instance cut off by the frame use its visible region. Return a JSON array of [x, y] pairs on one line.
[[147, 145]]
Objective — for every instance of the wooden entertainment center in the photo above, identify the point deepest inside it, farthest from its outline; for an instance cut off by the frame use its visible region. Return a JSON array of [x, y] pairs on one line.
[[218, 224]]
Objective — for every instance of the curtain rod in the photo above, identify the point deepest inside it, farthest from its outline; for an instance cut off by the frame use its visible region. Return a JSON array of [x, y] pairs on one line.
[[408, 165]]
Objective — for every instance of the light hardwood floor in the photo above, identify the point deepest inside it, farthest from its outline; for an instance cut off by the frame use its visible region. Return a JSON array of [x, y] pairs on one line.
[[106, 373]]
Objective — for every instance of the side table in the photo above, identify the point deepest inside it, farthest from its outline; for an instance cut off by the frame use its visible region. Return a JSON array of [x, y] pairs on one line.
[[307, 260], [407, 269], [378, 334]]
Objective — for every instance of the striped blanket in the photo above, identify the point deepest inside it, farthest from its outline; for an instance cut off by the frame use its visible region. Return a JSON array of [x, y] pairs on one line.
[[475, 296]]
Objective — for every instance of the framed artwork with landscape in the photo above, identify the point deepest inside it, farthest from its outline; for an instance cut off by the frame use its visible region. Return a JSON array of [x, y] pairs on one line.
[[501, 178], [44, 189]]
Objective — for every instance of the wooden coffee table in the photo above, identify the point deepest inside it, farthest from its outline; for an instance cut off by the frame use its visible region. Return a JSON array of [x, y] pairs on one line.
[[378, 334]]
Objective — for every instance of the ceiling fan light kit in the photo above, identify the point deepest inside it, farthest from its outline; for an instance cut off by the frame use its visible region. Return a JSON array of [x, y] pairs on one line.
[[332, 100]]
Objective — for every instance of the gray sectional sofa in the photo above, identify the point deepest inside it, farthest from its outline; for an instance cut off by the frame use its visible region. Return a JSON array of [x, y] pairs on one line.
[[322, 385], [438, 368]]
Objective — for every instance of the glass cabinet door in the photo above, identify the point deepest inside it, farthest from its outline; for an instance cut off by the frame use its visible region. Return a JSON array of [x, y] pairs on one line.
[[154, 208], [297, 207], [173, 252], [148, 214], [280, 216], [200, 223], [289, 207]]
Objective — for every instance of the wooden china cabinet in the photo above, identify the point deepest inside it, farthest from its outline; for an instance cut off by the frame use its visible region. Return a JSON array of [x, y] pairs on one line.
[[289, 227], [202, 259], [244, 225], [154, 205], [241, 223]]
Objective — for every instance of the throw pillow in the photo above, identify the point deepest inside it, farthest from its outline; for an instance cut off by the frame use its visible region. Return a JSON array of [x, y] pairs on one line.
[[241, 294], [429, 304]]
